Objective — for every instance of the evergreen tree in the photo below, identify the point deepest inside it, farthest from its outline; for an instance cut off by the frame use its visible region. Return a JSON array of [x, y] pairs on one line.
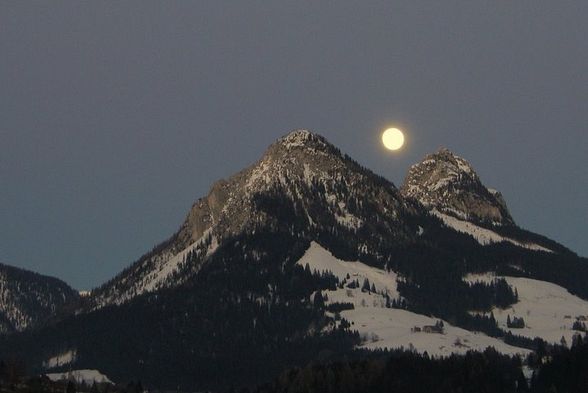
[[71, 387], [366, 285], [577, 340], [319, 302]]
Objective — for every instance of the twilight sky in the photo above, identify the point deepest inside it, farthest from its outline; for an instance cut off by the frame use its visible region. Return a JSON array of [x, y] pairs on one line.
[[115, 117]]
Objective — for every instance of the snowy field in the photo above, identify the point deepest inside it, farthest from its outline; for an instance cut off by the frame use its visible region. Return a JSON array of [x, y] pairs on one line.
[[392, 328], [548, 309], [383, 327]]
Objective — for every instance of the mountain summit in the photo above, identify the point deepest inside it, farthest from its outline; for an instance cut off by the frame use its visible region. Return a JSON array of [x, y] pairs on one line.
[[447, 183]]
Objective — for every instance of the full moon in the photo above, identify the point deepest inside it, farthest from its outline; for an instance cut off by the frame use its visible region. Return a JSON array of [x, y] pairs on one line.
[[393, 139]]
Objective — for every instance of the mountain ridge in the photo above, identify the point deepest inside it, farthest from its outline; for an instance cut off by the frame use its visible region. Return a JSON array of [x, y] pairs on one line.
[[304, 255], [295, 161], [29, 299]]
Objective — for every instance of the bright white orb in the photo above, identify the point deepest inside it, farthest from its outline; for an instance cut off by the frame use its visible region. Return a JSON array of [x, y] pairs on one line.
[[393, 139]]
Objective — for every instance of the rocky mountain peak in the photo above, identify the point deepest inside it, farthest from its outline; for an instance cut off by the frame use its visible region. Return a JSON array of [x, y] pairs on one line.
[[292, 167], [448, 183], [292, 162], [301, 144], [300, 137]]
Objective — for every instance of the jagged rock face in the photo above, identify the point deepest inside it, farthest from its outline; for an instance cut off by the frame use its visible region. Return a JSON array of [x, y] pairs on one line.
[[301, 184], [291, 167], [448, 183], [28, 299]]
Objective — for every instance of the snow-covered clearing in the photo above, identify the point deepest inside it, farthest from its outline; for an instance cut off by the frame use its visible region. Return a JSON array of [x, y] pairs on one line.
[[548, 310], [87, 376], [482, 235], [383, 327], [322, 260]]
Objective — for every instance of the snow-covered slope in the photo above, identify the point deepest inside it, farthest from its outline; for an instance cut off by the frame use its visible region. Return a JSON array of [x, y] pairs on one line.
[[482, 235], [384, 327], [448, 183], [549, 311]]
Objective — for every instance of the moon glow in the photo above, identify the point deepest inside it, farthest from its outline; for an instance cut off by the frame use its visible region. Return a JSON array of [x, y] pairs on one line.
[[393, 139]]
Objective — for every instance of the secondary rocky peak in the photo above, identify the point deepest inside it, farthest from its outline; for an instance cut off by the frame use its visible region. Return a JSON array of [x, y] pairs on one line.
[[448, 183], [453, 162]]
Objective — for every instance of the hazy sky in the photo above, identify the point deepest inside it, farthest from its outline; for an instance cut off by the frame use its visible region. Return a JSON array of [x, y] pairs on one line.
[[116, 116]]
